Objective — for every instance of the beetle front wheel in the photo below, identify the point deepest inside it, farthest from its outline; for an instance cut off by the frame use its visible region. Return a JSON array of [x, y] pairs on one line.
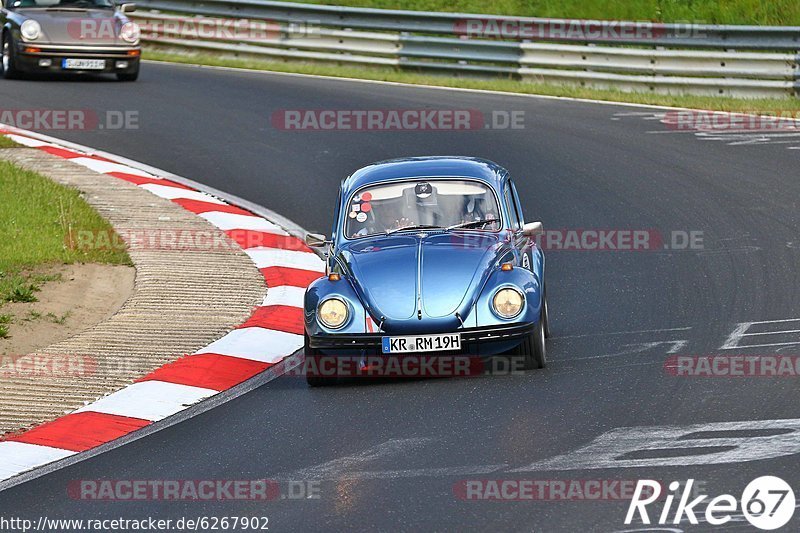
[[532, 348]]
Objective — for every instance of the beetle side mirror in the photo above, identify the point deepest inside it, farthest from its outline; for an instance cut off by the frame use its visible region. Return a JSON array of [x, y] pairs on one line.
[[127, 8], [533, 229], [315, 240]]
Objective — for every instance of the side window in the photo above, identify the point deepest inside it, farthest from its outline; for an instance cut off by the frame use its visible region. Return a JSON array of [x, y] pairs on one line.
[[334, 231], [517, 204], [511, 205]]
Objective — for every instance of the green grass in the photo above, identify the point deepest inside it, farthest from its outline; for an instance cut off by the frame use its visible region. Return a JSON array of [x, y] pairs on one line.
[[779, 12], [512, 86], [36, 217], [5, 320], [60, 320], [5, 142], [22, 291]]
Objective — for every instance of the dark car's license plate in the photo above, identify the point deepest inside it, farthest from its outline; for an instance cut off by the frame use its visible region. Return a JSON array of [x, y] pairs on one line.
[[421, 343], [84, 64]]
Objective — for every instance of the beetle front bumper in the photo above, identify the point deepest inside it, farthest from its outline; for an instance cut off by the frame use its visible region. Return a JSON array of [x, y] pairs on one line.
[[480, 341]]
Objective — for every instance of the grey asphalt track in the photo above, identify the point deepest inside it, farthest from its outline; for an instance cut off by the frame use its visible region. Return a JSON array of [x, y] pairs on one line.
[[616, 315]]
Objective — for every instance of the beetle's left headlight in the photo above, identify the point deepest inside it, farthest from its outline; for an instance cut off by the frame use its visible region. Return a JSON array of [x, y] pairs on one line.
[[508, 302], [129, 32], [30, 30], [333, 313]]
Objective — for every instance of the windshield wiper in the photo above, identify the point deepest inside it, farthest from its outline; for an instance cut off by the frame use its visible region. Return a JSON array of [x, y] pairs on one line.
[[469, 224], [413, 226]]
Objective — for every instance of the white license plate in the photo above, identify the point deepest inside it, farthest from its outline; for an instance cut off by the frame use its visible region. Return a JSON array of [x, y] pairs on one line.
[[84, 64], [421, 343]]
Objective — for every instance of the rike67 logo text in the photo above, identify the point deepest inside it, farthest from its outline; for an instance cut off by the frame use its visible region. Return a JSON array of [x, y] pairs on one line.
[[767, 503]]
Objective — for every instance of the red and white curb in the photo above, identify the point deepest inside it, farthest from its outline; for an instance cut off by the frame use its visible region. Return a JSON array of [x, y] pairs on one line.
[[272, 334]]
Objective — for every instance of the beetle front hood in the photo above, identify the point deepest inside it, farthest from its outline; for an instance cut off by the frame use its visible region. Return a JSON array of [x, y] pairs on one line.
[[433, 276], [77, 27]]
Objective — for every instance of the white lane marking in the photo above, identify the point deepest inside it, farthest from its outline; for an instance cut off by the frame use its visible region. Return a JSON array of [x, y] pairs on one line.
[[149, 400], [397, 474], [771, 332], [639, 347], [741, 331], [257, 344], [104, 167], [651, 530], [348, 467], [788, 136], [227, 221], [632, 332], [608, 450], [18, 457], [335, 468], [269, 257], [285, 295], [172, 193]]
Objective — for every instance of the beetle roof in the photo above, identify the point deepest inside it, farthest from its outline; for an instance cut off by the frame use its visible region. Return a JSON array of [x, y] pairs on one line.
[[426, 167]]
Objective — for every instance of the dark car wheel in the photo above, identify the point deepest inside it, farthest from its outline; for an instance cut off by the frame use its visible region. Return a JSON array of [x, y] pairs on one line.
[[128, 76], [9, 64], [532, 349]]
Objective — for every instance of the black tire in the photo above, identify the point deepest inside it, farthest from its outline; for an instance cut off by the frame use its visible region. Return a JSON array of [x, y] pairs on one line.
[[9, 63], [532, 348], [545, 315], [312, 378], [128, 76]]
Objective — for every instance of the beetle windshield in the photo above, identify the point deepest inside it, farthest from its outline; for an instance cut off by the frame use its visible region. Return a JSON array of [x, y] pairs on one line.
[[71, 4], [421, 204]]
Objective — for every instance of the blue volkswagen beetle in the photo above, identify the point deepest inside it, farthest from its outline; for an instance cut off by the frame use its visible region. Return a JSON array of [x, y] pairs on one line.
[[428, 255]]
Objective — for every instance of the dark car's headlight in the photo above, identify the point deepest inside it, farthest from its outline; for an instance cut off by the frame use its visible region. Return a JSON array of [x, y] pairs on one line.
[[333, 313], [508, 302], [129, 32], [30, 30]]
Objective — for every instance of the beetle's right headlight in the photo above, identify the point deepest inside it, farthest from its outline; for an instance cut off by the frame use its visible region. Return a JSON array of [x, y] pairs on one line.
[[508, 302], [30, 30], [332, 313]]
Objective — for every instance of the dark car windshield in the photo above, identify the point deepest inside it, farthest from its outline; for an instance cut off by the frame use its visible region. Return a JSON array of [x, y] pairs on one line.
[[424, 203], [60, 3]]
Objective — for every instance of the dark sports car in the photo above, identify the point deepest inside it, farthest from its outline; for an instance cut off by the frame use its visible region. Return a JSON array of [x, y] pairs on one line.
[[69, 36], [428, 255]]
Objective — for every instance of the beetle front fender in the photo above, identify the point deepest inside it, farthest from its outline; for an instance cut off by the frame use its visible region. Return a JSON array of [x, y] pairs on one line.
[[320, 290], [519, 278]]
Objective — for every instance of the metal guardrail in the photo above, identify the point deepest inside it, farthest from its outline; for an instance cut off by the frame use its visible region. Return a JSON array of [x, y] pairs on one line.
[[743, 61]]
